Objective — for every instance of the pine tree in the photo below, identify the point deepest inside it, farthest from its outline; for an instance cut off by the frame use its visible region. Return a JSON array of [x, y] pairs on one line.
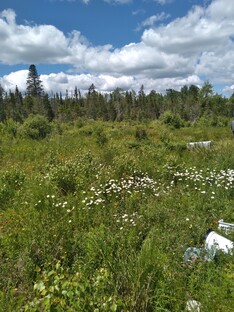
[[2, 105], [34, 84]]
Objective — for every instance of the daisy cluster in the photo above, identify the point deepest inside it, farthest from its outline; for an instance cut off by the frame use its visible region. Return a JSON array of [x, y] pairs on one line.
[[13, 178], [50, 200], [201, 179], [118, 189], [128, 220]]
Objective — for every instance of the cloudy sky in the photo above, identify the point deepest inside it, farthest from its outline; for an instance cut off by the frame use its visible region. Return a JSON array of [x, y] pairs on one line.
[[118, 43]]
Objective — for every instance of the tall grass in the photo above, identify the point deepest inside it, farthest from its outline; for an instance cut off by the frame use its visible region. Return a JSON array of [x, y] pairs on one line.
[[98, 216]]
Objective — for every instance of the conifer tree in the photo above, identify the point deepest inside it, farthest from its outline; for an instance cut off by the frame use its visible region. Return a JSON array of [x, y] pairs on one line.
[[34, 84], [2, 105]]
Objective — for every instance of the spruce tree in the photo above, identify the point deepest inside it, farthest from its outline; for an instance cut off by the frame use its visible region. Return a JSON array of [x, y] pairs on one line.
[[2, 105], [34, 84]]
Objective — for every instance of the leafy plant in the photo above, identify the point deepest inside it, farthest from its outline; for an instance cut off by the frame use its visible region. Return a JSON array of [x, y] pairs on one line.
[[172, 119], [36, 127], [141, 134], [61, 290]]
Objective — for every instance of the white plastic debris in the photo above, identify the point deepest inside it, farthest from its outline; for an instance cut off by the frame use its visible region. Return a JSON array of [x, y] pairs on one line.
[[213, 242], [216, 242], [202, 144], [193, 306], [226, 227], [191, 254], [232, 126]]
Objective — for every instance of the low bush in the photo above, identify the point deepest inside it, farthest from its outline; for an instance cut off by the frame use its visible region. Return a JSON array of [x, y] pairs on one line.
[[141, 134], [172, 119], [36, 127]]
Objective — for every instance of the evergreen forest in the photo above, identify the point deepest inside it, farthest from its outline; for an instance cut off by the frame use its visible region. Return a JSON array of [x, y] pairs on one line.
[[189, 104]]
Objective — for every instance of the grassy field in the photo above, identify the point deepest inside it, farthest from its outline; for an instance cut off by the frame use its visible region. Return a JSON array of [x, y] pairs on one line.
[[97, 217]]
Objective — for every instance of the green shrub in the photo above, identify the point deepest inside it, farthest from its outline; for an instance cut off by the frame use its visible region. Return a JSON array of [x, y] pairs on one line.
[[79, 123], [101, 138], [11, 127], [56, 289], [36, 127], [72, 174], [10, 182], [65, 175], [57, 127], [212, 121], [141, 134], [14, 178], [172, 119]]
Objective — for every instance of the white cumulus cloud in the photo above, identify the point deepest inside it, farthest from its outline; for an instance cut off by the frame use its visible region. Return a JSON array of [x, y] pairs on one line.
[[162, 2], [150, 21], [199, 44]]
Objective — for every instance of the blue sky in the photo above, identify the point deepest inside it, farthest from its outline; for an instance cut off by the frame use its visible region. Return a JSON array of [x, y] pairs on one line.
[[118, 43]]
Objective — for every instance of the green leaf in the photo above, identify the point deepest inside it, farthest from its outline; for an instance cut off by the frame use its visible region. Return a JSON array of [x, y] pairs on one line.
[[70, 294], [64, 292], [51, 273], [114, 307], [51, 289], [40, 286], [43, 292]]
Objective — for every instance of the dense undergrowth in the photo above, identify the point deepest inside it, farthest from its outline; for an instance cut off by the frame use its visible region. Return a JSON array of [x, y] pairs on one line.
[[97, 216]]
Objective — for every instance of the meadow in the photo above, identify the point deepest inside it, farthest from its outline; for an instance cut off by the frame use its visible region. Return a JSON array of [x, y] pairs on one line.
[[97, 216]]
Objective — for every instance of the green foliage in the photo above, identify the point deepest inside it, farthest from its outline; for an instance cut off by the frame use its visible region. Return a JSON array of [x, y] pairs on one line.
[[141, 134], [125, 165], [87, 225], [36, 127], [79, 123], [212, 121], [58, 289], [34, 84], [14, 178], [71, 175], [181, 107], [101, 137], [57, 127], [11, 127], [172, 119], [10, 182]]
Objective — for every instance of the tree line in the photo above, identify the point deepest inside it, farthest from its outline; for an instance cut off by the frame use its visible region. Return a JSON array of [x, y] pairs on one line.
[[189, 103]]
